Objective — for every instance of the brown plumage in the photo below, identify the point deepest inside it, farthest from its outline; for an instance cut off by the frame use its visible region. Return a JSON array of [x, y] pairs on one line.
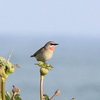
[[46, 52]]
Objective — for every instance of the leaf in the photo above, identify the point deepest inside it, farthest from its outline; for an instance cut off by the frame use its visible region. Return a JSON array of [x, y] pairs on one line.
[[8, 95], [17, 97], [45, 96], [42, 64]]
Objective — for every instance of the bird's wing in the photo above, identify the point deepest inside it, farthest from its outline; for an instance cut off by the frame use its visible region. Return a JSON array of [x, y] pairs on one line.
[[39, 51]]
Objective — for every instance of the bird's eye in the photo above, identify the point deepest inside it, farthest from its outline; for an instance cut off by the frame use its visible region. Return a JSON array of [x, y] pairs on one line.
[[51, 44]]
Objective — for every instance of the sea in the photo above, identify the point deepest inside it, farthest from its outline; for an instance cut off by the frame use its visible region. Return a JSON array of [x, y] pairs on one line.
[[76, 63]]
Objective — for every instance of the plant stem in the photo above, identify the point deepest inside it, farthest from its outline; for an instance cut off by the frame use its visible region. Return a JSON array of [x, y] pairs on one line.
[[41, 86], [10, 55], [13, 96], [3, 89], [52, 97], [0, 88]]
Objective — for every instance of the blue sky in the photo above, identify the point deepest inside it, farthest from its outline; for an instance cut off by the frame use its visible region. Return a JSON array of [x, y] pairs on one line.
[[68, 17], [79, 57]]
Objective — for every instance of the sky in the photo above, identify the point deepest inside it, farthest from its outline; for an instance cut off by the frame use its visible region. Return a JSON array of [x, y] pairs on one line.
[[68, 17], [53, 17]]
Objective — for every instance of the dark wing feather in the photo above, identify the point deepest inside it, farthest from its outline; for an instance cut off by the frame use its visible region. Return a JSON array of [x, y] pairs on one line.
[[39, 51]]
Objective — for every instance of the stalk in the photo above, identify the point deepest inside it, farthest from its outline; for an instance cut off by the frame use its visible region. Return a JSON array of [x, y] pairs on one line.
[[43, 71], [41, 86], [0, 88], [3, 89], [55, 94], [52, 97], [12, 98]]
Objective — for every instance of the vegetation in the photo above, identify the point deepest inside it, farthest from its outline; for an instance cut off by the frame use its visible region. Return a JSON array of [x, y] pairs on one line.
[[7, 68]]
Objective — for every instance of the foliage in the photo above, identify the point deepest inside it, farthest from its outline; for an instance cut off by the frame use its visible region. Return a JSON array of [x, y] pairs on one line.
[[42, 64], [6, 68], [8, 96], [45, 97]]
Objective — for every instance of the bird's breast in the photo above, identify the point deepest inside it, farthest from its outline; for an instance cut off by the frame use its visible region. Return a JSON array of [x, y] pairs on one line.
[[47, 55]]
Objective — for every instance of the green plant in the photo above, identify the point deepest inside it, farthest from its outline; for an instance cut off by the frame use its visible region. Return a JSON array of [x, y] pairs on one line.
[[6, 68], [45, 68], [9, 96]]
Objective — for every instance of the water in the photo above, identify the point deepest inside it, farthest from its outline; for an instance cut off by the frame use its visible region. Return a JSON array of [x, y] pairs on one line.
[[76, 64]]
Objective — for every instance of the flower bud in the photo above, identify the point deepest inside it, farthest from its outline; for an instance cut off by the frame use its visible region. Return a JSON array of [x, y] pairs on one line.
[[44, 71], [57, 92], [15, 90]]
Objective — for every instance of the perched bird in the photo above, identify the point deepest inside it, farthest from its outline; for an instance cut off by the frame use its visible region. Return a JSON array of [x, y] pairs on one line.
[[46, 52]]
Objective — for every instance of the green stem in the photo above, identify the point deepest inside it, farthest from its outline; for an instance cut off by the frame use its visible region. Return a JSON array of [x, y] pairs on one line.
[[41, 86], [3, 89], [0, 88]]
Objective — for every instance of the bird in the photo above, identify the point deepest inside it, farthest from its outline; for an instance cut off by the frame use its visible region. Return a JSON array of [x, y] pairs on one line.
[[46, 52]]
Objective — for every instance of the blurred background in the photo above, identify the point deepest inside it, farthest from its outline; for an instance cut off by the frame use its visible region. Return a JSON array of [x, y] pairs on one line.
[[25, 26]]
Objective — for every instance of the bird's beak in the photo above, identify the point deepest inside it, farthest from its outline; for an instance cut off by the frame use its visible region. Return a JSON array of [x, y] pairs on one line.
[[56, 44]]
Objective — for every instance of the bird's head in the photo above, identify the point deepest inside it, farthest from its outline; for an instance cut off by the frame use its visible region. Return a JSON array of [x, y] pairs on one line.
[[50, 45]]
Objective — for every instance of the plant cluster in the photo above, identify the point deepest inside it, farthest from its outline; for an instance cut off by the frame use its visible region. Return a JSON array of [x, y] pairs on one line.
[[7, 68]]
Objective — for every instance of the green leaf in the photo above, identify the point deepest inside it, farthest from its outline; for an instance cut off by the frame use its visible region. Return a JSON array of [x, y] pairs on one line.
[[45, 96], [42, 64], [8, 95], [17, 97]]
